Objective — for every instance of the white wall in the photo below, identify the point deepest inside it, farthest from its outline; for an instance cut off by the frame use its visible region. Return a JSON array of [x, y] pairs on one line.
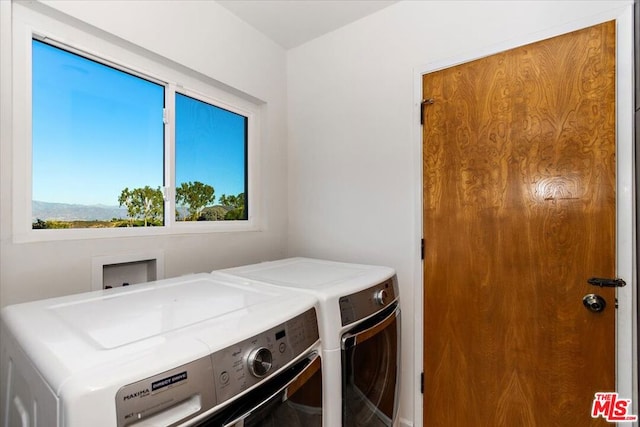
[[354, 138], [200, 35]]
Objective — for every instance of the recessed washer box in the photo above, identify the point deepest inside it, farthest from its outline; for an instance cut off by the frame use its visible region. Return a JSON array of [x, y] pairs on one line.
[[126, 269]]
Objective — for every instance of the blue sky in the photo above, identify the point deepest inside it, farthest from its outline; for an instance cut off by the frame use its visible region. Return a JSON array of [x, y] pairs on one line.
[[202, 128], [97, 130]]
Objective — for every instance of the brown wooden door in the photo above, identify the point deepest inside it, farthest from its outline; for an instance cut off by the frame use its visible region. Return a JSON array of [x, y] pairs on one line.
[[519, 211]]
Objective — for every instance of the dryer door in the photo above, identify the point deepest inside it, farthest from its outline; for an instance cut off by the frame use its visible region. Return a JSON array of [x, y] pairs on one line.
[[370, 355]]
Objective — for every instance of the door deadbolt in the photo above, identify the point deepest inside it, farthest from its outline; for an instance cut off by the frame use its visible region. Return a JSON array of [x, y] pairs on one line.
[[594, 303]]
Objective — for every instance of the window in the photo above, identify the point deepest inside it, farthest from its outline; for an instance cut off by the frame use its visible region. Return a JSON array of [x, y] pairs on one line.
[[124, 143], [97, 144], [210, 161]]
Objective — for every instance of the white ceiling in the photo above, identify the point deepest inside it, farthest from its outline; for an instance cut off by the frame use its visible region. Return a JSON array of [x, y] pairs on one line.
[[291, 23]]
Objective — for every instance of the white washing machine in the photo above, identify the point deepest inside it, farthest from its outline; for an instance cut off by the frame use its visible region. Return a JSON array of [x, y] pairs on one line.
[[190, 351], [359, 330]]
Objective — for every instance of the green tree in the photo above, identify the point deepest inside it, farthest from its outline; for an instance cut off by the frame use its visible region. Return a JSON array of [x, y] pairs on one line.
[[195, 196], [213, 213], [39, 224], [236, 205], [49, 224], [146, 204]]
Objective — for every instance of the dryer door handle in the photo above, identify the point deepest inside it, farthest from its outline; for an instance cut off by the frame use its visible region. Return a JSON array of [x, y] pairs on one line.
[[352, 339]]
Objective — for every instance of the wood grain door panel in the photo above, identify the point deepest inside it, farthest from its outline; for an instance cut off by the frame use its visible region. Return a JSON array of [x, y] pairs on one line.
[[519, 211]]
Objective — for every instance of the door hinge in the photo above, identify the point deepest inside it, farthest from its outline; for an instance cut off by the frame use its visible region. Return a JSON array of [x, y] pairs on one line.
[[422, 249], [424, 103], [422, 382]]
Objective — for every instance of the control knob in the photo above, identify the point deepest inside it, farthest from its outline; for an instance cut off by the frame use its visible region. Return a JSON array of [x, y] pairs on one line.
[[260, 361], [380, 297]]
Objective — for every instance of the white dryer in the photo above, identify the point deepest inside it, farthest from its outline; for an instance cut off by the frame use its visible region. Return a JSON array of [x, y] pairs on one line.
[[359, 330], [195, 350]]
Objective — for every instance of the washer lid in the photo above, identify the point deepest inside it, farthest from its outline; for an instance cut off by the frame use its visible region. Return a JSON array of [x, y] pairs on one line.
[[110, 321]]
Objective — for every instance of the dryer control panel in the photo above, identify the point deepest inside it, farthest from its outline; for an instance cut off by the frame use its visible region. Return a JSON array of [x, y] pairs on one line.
[[174, 396], [365, 303]]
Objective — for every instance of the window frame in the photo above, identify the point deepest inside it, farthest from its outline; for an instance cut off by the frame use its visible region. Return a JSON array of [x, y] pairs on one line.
[[95, 45]]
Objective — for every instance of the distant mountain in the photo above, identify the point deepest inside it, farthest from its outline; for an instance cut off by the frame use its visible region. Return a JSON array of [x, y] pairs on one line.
[[70, 212]]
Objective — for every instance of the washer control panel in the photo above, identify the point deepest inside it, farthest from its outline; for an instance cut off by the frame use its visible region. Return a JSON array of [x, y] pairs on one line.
[[242, 365], [363, 304], [174, 396]]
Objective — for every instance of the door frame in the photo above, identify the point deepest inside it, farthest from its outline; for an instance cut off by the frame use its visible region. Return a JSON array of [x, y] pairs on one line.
[[626, 327]]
